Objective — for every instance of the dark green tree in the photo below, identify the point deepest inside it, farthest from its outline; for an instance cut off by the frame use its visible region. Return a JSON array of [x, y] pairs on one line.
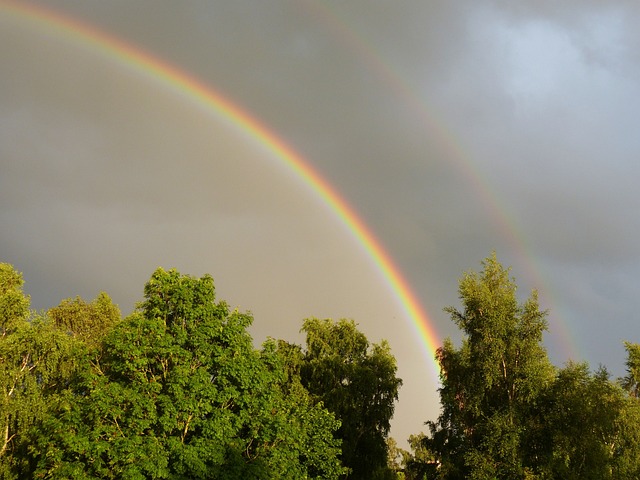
[[358, 383], [395, 459], [419, 463], [310, 429], [489, 384], [179, 392]]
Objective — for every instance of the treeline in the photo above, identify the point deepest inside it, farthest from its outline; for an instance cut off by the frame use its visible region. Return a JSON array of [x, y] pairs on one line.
[[177, 390], [507, 413]]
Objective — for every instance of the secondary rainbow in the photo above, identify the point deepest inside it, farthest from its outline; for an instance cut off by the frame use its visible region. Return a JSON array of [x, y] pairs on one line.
[[496, 208], [143, 62]]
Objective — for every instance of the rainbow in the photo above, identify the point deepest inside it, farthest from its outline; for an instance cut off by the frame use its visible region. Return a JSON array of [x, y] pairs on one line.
[[180, 81], [497, 209]]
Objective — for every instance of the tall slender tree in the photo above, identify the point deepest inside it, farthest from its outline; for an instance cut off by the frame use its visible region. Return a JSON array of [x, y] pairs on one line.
[[489, 383]]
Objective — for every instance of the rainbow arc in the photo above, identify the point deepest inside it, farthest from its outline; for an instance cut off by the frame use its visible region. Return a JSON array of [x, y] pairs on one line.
[[177, 80]]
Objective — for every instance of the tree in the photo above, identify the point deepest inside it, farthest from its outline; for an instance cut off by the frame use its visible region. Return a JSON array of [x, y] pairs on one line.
[[90, 322], [14, 304], [14, 363], [626, 450], [626, 463], [180, 392], [631, 382], [36, 363], [357, 382], [310, 429], [490, 383], [580, 414], [395, 459], [420, 463]]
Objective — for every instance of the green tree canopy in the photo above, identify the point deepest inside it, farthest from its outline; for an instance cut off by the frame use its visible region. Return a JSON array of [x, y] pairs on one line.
[[490, 383], [180, 392], [357, 382], [36, 364], [580, 417], [507, 413], [631, 382], [90, 322], [419, 463], [14, 304]]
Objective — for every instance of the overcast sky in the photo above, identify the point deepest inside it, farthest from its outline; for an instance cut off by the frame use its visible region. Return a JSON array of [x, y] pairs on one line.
[[453, 128]]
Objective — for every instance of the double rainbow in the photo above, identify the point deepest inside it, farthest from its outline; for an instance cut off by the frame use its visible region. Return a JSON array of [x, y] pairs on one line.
[[136, 59]]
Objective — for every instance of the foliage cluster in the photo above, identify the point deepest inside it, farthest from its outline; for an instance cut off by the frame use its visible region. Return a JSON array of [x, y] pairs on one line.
[[507, 413], [177, 390]]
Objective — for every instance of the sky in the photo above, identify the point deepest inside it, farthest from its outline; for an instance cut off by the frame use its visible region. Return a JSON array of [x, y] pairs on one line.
[[452, 129]]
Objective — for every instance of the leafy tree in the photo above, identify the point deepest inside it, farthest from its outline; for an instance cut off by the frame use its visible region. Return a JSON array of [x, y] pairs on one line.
[[14, 304], [589, 428], [420, 463], [310, 426], [14, 362], [36, 362], [490, 383], [631, 382], [357, 382], [90, 322], [180, 392], [395, 459], [580, 412], [626, 449], [506, 413]]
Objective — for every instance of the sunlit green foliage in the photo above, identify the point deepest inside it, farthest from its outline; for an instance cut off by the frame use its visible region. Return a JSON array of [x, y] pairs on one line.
[[89, 322], [631, 382], [508, 414], [36, 364], [178, 391], [579, 422], [490, 383]]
